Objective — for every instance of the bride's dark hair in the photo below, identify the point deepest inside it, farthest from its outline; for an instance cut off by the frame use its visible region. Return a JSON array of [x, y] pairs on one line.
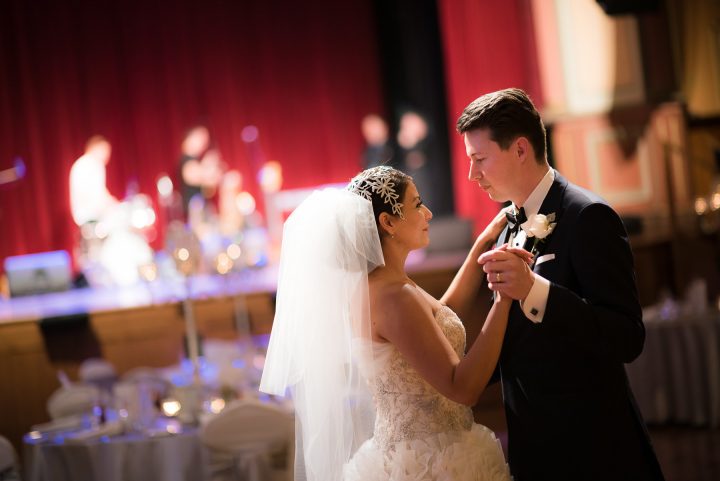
[[384, 187]]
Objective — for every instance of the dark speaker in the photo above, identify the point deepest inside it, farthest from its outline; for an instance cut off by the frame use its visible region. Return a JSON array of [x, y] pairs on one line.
[[622, 7]]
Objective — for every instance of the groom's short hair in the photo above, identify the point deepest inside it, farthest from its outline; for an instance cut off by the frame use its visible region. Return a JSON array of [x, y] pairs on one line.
[[507, 114]]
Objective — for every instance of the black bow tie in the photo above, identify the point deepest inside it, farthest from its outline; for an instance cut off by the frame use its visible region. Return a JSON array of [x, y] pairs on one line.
[[514, 220]]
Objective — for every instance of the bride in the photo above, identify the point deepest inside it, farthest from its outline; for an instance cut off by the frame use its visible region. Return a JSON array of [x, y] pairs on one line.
[[376, 366]]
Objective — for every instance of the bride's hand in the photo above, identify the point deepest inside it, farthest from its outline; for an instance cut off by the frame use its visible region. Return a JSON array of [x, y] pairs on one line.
[[522, 254], [495, 227], [502, 299]]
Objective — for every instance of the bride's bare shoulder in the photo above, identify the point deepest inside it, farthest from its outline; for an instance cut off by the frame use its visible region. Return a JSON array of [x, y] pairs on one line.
[[396, 300]]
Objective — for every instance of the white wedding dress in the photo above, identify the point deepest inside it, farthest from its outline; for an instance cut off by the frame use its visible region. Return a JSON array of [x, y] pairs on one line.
[[420, 434]]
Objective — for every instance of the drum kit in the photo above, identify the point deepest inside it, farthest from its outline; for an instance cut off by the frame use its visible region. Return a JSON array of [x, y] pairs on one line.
[[115, 250]]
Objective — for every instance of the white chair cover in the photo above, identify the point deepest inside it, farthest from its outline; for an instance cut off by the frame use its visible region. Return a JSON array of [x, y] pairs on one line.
[[98, 372], [72, 400], [252, 441], [8, 461]]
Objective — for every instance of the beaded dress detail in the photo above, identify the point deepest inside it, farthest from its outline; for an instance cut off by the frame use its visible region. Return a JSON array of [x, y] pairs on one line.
[[420, 434]]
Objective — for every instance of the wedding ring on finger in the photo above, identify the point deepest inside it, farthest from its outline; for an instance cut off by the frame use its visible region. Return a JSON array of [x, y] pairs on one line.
[[498, 277]]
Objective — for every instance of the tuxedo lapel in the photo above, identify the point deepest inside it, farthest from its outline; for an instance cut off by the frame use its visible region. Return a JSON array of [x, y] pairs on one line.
[[518, 325], [553, 203], [553, 199]]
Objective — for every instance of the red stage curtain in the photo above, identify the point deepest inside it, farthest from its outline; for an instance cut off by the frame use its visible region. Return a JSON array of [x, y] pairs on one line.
[[141, 72], [487, 45]]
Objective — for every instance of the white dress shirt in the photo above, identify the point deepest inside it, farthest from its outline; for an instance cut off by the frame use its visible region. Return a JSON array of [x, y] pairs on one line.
[[533, 306], [88, 195]]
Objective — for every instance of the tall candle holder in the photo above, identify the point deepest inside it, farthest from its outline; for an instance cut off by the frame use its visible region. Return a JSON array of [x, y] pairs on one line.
[[187, 253], [226, 265]]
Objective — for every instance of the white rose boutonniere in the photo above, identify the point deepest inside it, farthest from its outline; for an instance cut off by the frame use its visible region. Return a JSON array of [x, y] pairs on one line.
[[539, 227]]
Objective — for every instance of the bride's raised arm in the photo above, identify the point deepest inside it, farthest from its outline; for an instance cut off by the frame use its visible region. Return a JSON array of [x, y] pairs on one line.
[[464, 287], [404, 318]]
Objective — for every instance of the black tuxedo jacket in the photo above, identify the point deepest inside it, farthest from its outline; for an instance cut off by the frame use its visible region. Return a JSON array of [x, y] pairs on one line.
[[570, 412]]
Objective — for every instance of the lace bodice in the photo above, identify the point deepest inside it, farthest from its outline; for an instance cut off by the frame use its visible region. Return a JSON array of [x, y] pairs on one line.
[[407, 406]]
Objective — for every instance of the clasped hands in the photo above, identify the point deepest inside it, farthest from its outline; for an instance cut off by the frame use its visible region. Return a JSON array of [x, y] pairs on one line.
[[508, 271]]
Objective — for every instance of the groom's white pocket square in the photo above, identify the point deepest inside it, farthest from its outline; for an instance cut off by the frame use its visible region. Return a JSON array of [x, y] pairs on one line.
[[545, 258]]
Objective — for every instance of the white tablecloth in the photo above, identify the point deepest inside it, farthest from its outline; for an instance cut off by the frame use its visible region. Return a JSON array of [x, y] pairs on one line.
[[177, 457], [677, 376]]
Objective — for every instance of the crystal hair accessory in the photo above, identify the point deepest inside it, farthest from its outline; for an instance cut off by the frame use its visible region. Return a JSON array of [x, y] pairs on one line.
[[378, 180]]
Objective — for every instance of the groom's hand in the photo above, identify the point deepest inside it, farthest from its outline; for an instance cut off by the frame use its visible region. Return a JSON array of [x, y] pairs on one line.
[[508, 271]]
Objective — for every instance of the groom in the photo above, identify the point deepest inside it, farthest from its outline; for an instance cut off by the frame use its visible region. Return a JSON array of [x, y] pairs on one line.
[[569, 408]]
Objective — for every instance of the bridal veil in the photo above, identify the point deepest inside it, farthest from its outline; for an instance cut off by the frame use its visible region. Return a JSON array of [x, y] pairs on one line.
[[320, 348]]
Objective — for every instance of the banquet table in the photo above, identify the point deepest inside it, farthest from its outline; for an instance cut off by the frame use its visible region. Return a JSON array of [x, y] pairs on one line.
[[128, 457], [139, 326], [676, 379]]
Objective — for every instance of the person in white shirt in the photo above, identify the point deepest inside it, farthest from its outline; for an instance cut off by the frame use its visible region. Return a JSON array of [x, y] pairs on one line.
[[90, 199]]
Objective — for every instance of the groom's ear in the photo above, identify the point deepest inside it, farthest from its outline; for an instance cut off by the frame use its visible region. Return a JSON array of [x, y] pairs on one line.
[[521, 147]]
